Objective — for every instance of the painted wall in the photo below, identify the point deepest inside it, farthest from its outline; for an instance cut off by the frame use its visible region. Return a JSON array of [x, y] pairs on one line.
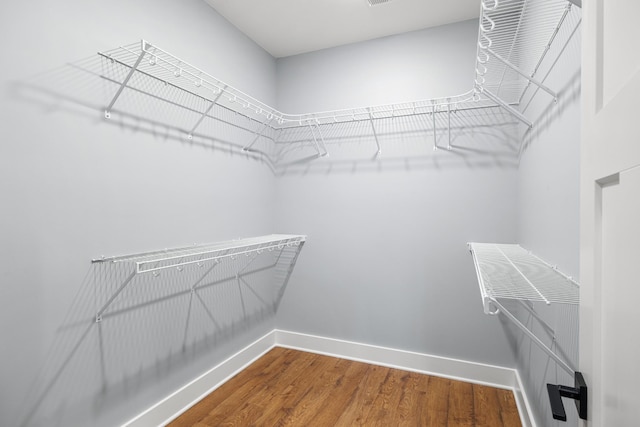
[[548, 215], [75, 186], [386, 262]]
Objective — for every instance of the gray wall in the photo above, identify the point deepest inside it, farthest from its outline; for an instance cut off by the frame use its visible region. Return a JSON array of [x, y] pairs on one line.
[[548, 217], [386, 261], [74, 186]]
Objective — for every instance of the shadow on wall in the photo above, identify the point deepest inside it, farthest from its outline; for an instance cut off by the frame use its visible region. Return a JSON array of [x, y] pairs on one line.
[[125, 330], [147, 105]]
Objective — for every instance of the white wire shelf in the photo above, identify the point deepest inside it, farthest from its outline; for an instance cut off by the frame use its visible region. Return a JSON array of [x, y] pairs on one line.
[[211, 108], [513, 40], [189, 260], [198, 254], [507, 271]]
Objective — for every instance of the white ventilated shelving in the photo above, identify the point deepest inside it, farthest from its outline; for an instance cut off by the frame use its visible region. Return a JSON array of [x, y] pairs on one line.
[[197, 257], [508, 271], [514, 39]]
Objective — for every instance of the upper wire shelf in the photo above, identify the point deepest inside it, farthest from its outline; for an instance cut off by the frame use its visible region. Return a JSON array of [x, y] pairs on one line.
[[513, 39]]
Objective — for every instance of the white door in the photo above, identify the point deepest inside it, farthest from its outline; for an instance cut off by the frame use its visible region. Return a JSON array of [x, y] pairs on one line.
[[610, 212]]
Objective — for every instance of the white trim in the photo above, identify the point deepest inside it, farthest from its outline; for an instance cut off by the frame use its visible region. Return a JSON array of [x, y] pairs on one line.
[[455, 369], [169, 408], [522, 401], [178, 402]]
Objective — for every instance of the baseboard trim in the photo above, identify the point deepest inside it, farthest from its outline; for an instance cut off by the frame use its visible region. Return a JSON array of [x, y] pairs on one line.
[[178, 402], [172, 406], [524, 408], [478, 373]]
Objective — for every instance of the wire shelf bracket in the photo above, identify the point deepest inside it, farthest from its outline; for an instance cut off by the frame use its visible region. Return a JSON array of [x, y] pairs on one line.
[[507, 271], [107, 112]]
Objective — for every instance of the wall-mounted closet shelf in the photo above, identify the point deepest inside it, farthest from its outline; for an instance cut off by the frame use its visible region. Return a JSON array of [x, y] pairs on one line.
[[513, 40], [202, 258], [507, 271]]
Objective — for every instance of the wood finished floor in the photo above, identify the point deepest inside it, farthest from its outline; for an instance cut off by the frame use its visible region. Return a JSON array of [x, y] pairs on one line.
[[294, 388]]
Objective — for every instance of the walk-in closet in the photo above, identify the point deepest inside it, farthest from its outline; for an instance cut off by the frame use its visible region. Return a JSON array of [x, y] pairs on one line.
[[286, 212]]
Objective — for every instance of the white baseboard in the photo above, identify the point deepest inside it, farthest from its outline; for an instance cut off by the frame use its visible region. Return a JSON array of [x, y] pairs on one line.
[[524, 408], [496, 376], [478, 373], [169, 408]]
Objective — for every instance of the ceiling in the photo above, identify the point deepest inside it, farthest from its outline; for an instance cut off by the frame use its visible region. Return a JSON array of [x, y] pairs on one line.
[[290, 27]]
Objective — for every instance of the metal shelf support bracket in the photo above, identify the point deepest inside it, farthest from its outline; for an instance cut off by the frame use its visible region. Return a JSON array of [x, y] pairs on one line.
[[523, 74], [107, 111]]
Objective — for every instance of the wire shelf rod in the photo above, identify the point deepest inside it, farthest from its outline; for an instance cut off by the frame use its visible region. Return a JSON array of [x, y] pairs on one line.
[[534, 338]]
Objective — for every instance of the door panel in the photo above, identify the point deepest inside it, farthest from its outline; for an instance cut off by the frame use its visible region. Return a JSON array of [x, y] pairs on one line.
[[620, 318], [610, 211], [620, 60]]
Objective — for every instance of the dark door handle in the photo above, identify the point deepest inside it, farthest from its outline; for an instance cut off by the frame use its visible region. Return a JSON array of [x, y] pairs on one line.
[[578, 393]]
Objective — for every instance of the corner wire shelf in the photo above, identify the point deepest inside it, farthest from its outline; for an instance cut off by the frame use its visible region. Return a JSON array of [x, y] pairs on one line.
[[206, 256], [514, 38], [507, 271]]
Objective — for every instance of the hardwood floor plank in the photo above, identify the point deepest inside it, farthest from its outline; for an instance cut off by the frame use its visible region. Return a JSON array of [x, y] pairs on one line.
[[337, 398], [508, 408], [361, 402], [461, 405], [293, 388], [268, 392], [486, 408], [386, 403], [267, 367], [325, 401], [436, 412], [406, 414]]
